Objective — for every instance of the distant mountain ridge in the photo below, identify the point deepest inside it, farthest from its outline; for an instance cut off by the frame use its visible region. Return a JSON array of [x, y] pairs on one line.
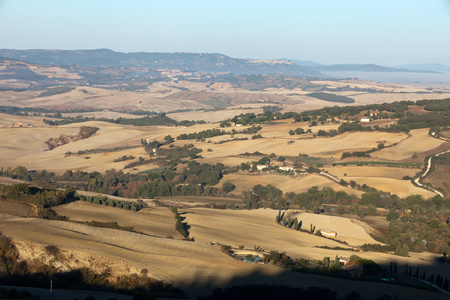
[[366, 68], [411, 68], [430, 66], [200, 62]]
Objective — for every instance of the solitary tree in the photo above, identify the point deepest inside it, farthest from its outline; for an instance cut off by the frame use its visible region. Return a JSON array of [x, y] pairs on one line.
[[228, 187]]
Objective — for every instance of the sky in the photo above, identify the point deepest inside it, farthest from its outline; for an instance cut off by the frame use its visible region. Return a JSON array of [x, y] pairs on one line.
[[384, 32]]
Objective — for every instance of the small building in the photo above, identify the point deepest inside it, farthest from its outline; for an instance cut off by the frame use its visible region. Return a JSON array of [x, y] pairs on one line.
[[344, 261], [261, 167], [328, 233], [354, 269], [286, 168], [365, 120]]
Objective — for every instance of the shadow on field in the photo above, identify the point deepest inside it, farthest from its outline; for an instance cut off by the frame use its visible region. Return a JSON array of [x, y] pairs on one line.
[[293, 285]]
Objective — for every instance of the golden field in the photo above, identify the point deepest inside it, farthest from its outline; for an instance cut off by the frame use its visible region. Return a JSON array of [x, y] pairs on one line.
[[195, 266], [198, 265]]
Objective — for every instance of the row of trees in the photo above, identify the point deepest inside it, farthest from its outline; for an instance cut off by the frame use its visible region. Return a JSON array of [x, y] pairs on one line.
[[159, 119], [209, 133]]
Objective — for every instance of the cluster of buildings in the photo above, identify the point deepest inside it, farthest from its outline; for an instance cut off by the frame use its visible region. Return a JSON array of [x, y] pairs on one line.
[[281, 166]]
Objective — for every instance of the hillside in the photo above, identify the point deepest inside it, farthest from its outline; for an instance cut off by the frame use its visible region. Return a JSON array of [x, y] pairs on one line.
[[200, 62]]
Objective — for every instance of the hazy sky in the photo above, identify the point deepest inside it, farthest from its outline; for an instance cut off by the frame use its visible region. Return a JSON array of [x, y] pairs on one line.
[[386, 32]]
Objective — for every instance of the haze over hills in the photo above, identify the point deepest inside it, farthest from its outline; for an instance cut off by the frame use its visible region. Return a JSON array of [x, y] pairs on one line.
[[200, 62], [430, 66], [204, 62], [366, 68]]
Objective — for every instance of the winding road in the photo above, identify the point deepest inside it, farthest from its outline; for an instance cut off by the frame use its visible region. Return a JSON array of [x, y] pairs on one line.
[[416, 180]]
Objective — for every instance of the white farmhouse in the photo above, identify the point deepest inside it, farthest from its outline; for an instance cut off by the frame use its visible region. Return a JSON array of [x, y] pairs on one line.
[[286, 168]]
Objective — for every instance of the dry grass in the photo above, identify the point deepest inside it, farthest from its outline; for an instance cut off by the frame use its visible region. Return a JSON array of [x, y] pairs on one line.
[[286, 183], [276, 140], [419, 142], [368, 171], [15, 208], [166, 259], [216, 115], [29, 149], [196, 265], [401, 188], [152, 221], [373, 98], [250, 228], [258, 228], [348, 230], [190, 201]]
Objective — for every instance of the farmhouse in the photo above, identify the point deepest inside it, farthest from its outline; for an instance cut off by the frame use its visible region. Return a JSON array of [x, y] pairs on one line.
[[344, 261], [328, 233], [286, 168], [261, 167], [354, 269]]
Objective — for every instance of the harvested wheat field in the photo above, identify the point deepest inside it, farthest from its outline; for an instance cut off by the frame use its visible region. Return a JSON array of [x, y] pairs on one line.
[[216, 115], [192, 201], [349, 230], [8, 121], [98, 99], [254, 228], [419, 142], [322, 147], [15, 208], [369, 171], [286, 183], [228, 161], [28, 149], [387, 87], [158, 221], [166, 259], [258, 228], [374, 98], [193, 266], [20, 142], [401, 188]]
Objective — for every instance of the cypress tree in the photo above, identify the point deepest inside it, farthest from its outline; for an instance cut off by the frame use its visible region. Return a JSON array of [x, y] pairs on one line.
[[296, 224]]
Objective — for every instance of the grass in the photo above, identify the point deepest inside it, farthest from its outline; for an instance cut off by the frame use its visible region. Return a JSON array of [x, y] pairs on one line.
[[312, 160], [383, 163]]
